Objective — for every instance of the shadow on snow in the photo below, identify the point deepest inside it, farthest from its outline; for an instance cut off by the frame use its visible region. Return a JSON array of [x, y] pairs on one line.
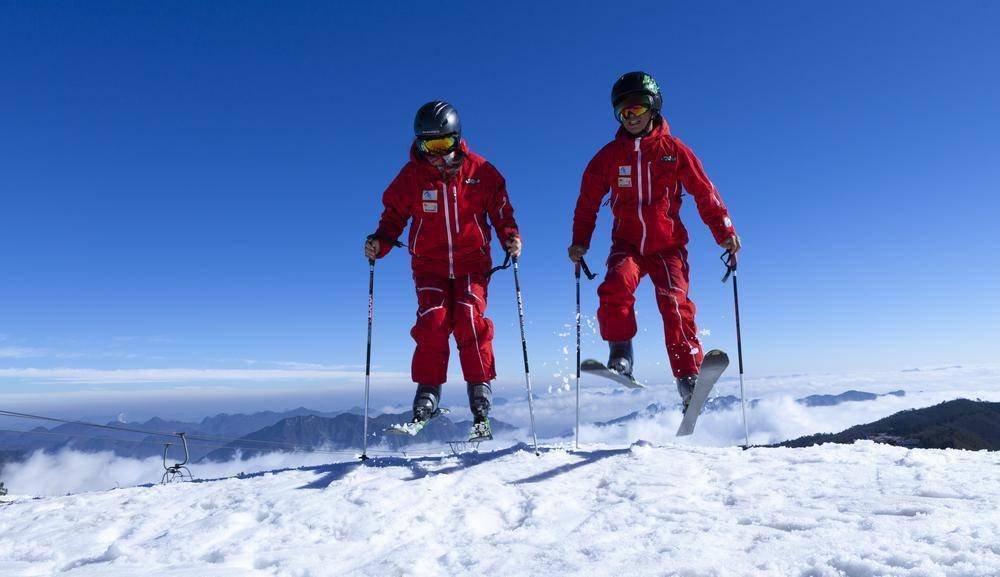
[[424, 466]]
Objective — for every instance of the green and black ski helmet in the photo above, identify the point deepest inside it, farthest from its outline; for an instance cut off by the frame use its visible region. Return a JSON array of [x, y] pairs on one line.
[[637, 82]]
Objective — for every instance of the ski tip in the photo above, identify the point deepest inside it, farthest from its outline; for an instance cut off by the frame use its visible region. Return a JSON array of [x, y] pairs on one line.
[[591, 364]]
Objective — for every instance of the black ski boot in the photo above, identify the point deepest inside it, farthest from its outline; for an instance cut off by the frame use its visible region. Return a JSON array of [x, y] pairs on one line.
[[480, 400], [620, 360], [425, 402], [685, 386]]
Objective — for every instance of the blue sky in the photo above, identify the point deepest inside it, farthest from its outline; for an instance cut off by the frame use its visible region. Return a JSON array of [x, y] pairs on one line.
[[186, 185]]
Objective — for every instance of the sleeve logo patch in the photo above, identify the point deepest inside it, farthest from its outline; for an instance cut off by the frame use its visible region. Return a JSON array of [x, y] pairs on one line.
[[430, 206], [668, 158], [471, 181], [430, 195], [624, 181], [625, 170], [728, 222]]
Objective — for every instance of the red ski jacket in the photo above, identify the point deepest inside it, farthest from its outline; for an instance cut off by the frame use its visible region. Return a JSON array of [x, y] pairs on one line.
[[645, 176], [449, 235]]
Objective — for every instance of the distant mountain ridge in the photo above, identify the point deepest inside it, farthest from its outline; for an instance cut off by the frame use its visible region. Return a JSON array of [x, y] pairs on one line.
[[15, 446], [958, 424], [221, 437]]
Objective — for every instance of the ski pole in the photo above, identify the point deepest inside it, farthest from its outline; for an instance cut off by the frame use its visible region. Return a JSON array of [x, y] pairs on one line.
[[368, 358], [580, 263], [577, 274], [729, 259], [524, 350]]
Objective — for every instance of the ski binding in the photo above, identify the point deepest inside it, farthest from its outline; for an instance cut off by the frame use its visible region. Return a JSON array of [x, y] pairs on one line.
[[414, 427], [598, 368], [481, 432]]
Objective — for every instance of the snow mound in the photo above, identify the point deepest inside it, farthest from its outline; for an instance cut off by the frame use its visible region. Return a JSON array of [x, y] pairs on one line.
[[859, 510]]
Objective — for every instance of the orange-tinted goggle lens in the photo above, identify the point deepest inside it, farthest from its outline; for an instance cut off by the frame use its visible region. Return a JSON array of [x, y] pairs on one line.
[[441, 145], [634, 110]]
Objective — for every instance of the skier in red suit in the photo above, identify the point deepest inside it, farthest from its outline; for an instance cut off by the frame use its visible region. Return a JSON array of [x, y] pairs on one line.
[[449, 195], [645, 168]]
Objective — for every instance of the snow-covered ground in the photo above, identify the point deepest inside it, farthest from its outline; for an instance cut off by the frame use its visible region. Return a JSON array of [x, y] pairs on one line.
[[861, 510]]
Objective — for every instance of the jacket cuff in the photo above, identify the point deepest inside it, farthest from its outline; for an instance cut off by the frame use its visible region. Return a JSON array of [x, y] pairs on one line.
[[724, 230]]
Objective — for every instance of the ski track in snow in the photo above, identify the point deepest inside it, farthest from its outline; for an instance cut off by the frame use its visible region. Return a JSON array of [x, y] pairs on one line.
[[861, 510]]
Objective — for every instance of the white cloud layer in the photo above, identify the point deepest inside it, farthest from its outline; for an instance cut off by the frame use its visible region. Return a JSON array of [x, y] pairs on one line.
[[179, 375]]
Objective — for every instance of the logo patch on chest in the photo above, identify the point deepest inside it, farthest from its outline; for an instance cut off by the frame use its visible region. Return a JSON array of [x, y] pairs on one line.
[[471, 181], [624, 181], [430, 206], [625, 170], [668, 158], [430, 195]]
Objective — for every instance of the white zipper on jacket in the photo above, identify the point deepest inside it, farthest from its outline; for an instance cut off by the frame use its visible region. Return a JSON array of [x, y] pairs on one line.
[[416, 236], [638, 170], [454, 193], [447, 228]]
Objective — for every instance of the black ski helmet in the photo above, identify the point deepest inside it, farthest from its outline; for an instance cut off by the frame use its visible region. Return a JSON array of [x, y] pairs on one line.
[[637, 82], [436, 118]]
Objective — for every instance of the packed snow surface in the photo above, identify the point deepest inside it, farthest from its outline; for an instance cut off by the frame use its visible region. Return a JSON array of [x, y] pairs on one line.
[[858, 510]]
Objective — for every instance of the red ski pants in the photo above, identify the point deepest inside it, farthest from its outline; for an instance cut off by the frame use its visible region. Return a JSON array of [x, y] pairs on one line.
[[669, 273], [445, 306]]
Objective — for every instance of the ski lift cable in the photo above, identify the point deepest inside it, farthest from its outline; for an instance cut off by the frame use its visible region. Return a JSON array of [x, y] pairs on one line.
[[145, 432], [158, 443], [200, 437], [80, 436], [209, 438], [84, 423]]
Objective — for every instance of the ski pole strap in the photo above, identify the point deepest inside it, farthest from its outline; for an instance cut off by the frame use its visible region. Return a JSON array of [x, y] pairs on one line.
[[728, 258], [505, 265], [586, 269]]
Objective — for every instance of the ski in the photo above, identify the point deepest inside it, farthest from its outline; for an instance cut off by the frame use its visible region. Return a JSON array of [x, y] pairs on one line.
[[712, 367], [597, 368], [413, 427], [481, 432]]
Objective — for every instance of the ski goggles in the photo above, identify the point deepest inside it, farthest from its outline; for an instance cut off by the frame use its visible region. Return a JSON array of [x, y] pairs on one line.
[[626, 112], [438, 145]]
